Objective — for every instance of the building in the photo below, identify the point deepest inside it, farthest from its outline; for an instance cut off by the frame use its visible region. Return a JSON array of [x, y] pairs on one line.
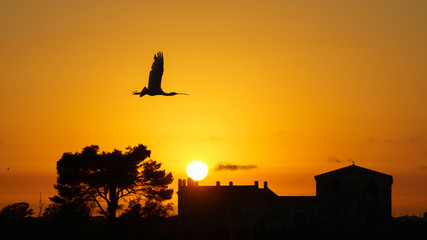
[[353, 197], [347, 198], [222, 205]]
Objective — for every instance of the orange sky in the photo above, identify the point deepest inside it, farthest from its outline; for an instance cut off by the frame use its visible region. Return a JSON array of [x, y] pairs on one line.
[[297, 88]]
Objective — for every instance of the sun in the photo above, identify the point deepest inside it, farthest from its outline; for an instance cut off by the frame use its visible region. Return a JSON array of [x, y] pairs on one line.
[[197, 170]]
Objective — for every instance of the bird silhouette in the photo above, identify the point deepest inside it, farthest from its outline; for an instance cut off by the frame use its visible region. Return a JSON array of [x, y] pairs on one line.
[[155, 79]]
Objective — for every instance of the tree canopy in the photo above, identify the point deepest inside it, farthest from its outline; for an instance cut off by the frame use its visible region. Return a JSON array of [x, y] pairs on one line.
[[17, 211], [90, 177]]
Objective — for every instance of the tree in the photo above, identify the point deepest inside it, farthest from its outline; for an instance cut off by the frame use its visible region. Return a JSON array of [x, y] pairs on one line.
[[150, 209], [17, 211], [108, 177]]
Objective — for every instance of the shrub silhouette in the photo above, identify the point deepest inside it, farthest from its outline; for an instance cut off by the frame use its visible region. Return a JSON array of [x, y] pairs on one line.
[[150, 209], [17, 211]]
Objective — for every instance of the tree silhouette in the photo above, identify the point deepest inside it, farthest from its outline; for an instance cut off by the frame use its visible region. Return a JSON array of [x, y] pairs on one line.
[[17, 211], [106, 178], [150, 209]]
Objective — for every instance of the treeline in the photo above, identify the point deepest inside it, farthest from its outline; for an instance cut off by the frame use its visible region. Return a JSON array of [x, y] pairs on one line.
[[17, 222], [148, 218]]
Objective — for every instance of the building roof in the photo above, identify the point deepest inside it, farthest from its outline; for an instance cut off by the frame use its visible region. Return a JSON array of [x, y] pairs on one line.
[[225, 189], [352, 169]]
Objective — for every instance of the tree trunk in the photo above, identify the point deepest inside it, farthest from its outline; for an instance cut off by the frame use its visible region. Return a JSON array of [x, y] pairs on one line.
[[112, 206]]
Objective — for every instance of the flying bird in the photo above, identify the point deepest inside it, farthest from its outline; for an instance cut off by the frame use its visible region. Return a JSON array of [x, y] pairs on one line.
[[155, 79]]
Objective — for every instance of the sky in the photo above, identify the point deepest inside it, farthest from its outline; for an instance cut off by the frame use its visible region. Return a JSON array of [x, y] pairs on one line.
[[291, 89]]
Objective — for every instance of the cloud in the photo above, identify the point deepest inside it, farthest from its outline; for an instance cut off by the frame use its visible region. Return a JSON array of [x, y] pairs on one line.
[[337, 160], [423, 167], [233, 167], [334, 159]]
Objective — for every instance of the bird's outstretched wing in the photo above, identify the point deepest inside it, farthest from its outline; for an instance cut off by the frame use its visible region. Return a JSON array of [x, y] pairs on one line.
[[155, 79]]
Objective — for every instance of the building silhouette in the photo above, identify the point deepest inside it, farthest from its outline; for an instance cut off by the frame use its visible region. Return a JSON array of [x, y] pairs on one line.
[[352, 197]]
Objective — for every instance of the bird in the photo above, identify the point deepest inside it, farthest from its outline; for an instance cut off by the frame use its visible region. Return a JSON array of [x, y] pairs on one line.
[[155, 79]]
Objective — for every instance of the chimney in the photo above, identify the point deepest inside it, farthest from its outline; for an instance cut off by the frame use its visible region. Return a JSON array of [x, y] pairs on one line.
[[190, 182], [184, 183], [217, 183], [256, 184], [231, 183], [196, 183], [179, 183], [265, 184]]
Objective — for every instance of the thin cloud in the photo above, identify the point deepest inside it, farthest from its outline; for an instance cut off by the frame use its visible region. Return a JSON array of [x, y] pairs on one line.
[[233, 167], [337, 160]]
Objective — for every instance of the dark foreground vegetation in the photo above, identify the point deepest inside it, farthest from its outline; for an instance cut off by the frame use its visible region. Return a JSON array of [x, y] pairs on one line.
[[100, 227]]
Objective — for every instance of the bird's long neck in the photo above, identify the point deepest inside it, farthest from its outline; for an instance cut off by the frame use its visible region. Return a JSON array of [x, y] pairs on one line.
[[174, 93]]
